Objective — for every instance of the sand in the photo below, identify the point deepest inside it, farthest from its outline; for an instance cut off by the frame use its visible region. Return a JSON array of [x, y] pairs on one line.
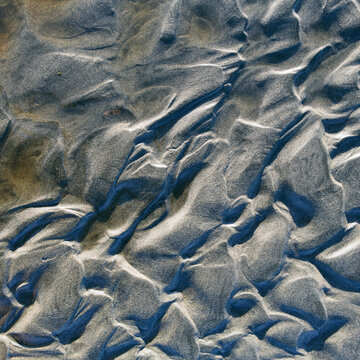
[[179, 179]]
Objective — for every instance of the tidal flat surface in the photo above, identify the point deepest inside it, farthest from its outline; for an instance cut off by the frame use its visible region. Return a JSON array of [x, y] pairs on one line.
[[179, 179]]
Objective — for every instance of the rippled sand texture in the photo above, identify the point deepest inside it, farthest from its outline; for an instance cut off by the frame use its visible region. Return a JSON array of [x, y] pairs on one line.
[[179, 179]]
